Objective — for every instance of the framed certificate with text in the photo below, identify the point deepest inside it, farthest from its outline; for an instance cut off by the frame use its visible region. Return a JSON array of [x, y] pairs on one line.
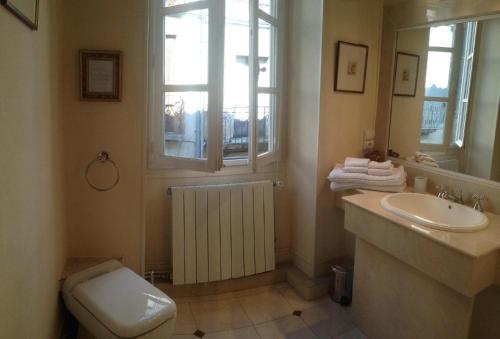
[[100, 75]]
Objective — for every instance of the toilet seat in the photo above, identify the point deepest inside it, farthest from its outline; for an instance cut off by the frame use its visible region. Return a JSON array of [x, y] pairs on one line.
[[112, 301]]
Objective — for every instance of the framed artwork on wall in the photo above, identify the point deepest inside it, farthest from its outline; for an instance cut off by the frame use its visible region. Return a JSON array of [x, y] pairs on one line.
[[25, 10], [100, 75], [406, 74], [350, 67]]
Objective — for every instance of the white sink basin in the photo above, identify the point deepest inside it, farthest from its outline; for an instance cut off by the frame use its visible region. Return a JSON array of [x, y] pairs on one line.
[[435, 212]]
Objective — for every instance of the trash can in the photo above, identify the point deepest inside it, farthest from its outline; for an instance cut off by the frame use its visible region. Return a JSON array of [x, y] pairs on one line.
[[341, 283]]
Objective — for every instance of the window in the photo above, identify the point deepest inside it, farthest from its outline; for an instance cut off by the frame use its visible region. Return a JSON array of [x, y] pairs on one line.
[[437, 84], [464, 83], [450, 61], [214, 83]]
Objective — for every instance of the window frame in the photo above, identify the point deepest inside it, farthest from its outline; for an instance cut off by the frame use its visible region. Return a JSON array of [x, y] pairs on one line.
[[157, 159], [449, 100], [464, 91]]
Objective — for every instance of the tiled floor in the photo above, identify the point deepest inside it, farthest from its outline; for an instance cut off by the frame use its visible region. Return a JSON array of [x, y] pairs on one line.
[[266, 312]]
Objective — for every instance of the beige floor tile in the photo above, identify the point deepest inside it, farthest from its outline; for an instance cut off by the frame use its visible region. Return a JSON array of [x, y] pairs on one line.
[[219, 315], [184, 336], [257, 290], [184, 323], [211, 297], [290, 327], [265, 306], [241, 333], [327, 320], [352, 334], [299, 303]]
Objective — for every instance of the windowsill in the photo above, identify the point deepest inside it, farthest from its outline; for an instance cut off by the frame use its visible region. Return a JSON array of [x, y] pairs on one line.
[[229, 170]]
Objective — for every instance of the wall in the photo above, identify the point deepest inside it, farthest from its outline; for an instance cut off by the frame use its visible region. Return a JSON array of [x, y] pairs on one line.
[[406, 117], [483, 121], [134, 219], [343, 116], [105, 224], [304, 78], [32, 232]]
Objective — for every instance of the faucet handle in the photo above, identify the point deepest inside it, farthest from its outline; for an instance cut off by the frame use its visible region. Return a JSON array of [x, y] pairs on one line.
[[459, 195], [478, 200]]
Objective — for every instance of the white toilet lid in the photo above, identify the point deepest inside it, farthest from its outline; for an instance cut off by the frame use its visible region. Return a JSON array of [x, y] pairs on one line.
[[125, 303]]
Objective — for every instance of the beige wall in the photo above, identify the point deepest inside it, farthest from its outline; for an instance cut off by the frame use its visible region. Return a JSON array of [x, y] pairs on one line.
[[32, 232], [406, 117], [483, 120], [304, 49], [110, 223], [344, 116], [134, 219]]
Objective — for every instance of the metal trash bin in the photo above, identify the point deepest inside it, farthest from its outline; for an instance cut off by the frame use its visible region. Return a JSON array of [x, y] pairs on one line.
[[341, 283]]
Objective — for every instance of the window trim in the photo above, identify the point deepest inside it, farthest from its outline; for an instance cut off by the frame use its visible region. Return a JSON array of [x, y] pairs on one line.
[[214, 88]]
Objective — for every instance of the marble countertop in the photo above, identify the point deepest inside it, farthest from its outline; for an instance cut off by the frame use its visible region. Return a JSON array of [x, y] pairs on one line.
[[474, 244]]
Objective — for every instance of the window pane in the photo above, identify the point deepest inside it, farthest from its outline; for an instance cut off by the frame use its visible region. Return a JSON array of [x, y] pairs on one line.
[[442, 36], [185, 122], [169, 3], [267, 54], [268, 6], [438, 74], [266, 111], [236, 79], [186, 48], [433, 122]]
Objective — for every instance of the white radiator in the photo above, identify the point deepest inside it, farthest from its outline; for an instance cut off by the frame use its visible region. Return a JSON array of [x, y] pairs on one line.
[[222, 231]]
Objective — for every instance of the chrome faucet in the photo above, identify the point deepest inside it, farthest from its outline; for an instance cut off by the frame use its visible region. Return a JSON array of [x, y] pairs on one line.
[[478, 202], [444, 194]]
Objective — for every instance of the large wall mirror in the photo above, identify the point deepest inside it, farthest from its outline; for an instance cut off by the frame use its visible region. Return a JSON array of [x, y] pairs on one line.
[[449, 114]]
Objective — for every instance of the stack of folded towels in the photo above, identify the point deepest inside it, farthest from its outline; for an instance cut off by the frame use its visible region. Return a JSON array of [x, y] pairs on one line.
[[424, 159], [360, 173]]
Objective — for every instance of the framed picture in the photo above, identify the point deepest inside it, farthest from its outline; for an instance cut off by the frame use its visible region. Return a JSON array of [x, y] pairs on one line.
[[100, 75], [350, 68], [406, 74], [25, 10]]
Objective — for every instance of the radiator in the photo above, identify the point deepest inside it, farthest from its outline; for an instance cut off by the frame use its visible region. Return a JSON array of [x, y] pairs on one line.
[[222, 231]]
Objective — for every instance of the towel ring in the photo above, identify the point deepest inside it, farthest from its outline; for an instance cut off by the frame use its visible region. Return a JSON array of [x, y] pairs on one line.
[[103, 157]]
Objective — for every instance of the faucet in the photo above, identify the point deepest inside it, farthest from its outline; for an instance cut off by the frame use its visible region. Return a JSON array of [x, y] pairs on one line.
[[444, 194], [478, 199]]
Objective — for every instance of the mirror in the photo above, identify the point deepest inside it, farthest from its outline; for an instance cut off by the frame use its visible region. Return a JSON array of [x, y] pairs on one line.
[[445, 99], [25, 10]]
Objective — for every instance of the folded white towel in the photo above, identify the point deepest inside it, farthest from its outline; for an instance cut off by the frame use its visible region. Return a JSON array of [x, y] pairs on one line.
[[387, 165], [356, 162], [397, 178], [380, 172], [342, 187], [355, 169]]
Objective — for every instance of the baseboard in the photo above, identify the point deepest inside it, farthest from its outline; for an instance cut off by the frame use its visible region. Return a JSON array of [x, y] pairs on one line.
[[308, 288]]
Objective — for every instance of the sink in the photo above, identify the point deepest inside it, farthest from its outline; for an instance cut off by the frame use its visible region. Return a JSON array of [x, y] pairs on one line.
[[435, 212]]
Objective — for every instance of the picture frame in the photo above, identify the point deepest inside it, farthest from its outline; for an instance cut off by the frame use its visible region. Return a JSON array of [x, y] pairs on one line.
[[24, 10], [350, 67], [406, 74], [100, 75]]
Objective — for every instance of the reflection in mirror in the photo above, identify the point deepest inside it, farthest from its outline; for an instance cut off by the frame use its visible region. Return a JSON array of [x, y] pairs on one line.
[[452, 120]]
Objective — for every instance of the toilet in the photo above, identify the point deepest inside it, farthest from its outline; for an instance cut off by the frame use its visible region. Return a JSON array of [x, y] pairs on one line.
[[111, 302]]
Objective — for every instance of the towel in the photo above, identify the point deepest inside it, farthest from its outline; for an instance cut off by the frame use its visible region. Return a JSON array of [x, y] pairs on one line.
[[341, 187], [356, 170], [397, 178], [386, 165], [356, 162], [379, 172]]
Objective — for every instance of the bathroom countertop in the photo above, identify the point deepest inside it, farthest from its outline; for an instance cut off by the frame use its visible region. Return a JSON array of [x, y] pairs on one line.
[[475, 244]]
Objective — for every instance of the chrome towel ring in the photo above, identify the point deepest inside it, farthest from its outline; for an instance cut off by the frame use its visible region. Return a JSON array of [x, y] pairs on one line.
[[103, 157]]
